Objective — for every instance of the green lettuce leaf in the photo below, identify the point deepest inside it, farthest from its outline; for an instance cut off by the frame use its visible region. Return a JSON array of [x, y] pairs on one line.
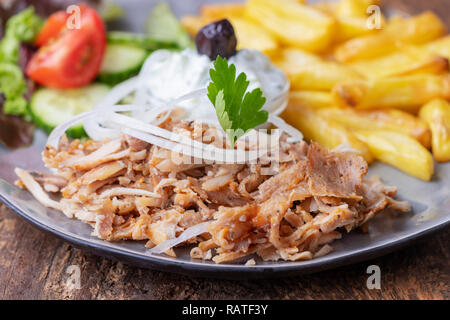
[[22, 27]]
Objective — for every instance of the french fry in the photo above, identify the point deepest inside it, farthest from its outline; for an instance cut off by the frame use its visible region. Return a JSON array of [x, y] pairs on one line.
[[345, 8], [409, 60], [222, 11], [400, 151], [416, 30], [354, 8], [307, 71], [252, 36], [293, 23], [312, 99], [408, 92], [327, 7], [193, 23], [293, 9], [326, 132], [352, 27], [386, 119], [351, 16], [439, 47], [437, 114]]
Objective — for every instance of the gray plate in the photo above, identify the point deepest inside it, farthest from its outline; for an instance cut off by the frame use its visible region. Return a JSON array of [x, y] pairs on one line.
[[388, 231]]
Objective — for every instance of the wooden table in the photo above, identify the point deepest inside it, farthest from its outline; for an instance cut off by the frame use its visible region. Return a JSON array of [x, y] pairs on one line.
[[33, 264]]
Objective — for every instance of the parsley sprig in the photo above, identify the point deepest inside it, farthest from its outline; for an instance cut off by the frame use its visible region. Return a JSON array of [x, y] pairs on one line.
[[238, 111]]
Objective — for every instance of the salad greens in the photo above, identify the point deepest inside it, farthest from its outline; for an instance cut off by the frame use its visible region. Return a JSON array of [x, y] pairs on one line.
[[13, 87], [162, 25], [22, 27], [125, 55], [238, 111]]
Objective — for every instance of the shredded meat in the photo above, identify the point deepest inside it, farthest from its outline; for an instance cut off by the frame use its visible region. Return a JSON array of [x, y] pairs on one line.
[[334, 174], [129, 189]]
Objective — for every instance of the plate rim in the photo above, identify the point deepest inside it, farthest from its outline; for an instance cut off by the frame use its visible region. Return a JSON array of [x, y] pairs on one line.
[[229, 271]]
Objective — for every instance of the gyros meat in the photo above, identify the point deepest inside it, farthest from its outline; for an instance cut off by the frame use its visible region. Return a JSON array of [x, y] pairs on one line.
[[129, 189]]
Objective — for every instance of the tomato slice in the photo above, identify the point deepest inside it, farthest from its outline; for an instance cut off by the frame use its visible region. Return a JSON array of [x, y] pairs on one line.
[[52, 27], [74, 57]]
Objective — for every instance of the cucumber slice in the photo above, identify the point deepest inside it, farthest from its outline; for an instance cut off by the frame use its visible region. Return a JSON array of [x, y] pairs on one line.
[[120, 63], [164, 26], [51, 107], [138, 40]]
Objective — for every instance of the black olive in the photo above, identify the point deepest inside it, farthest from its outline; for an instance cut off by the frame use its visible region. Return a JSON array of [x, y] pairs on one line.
[[216, 39]]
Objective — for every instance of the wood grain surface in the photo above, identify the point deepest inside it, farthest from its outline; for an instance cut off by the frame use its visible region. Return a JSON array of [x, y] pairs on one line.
[[33, 264]]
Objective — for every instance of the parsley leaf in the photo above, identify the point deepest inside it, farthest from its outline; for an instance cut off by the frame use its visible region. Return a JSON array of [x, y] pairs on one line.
[[238, 111]]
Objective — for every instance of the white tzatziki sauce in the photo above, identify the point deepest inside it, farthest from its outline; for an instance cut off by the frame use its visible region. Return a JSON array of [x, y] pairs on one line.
[[168, 75]]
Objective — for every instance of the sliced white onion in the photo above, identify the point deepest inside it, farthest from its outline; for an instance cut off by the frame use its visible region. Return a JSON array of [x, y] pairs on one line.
[[296, 135], [344, 148], [159, 115], [157, 119], [96, 132], [182, 144], [58, 132], [209, 153], [159, 136], [158, 105], [116, 94], [105, 114], [132, 123], [191, 95], [94, 129], [189, 233]]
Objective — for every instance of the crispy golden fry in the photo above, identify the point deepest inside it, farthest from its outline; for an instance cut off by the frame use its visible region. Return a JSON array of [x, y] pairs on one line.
[[293, 9], [345, 8], [408, 92], [409, 60], [439, 47], [437, 114], [351, 16], [416, 30], [252, 36], [193, 23], [400, 151], [312, 99], [386, 119], [328, 7], [222, 11], [352, 27], [293, 23], [248, 34], [354, 8], [309, 72], [326, 132]]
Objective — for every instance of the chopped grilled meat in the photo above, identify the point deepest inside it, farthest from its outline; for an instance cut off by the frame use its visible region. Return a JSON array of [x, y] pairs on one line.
[[128, 189]]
